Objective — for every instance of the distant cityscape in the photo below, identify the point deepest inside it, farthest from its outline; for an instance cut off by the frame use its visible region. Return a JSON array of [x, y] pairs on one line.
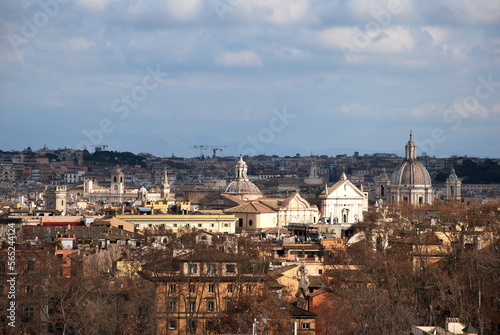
[[249, 244]]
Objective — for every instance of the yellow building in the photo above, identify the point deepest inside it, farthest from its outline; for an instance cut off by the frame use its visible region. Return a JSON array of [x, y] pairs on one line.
[[210, 223]]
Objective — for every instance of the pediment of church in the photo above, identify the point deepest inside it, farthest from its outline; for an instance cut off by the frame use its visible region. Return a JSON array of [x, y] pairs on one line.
[[343, 189], [295, 201]]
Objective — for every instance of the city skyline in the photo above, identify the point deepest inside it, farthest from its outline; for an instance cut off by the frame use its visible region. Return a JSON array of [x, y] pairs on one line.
[[259, 77]]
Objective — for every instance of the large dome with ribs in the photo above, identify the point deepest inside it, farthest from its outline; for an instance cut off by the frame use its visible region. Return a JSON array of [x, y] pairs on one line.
[[410, 171]]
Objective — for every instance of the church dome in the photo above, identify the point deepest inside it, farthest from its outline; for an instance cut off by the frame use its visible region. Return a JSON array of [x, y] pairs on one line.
[[410, 171], [241, 185]]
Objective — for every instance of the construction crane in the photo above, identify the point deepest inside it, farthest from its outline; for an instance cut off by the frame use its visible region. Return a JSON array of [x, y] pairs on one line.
[[214, 148]]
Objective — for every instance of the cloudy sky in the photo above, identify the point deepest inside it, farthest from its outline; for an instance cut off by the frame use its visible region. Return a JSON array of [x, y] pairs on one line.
[[255, 76]]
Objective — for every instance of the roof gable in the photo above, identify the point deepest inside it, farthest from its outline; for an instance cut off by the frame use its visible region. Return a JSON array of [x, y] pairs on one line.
[[342, 189], [225, 200], [295, 201], [251, 207]]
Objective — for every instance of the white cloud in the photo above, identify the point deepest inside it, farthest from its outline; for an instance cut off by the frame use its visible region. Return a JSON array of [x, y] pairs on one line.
[[426, 110], [242, 58], [475, 12], [279, 12], [78, 44], [391, 40], [94, 5], [496, 109], [184, 10], [440, 35], [466, 107], [358, 110]]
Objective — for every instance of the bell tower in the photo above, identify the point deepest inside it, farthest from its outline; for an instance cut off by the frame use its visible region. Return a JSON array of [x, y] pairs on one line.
[[165, 192], [55, 197], [453, 186], [117, 181]]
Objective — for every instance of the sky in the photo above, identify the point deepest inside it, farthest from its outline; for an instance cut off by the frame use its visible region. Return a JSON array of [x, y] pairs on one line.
[[251, 76]]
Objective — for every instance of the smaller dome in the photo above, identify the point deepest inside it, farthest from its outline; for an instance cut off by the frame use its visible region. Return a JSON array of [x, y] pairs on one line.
[[242, 187]]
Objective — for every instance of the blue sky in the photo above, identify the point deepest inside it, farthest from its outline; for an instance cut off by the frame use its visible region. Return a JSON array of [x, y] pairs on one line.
[[263, 76]]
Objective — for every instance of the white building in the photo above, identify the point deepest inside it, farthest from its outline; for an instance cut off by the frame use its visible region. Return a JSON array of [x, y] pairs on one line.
[[343, 202]]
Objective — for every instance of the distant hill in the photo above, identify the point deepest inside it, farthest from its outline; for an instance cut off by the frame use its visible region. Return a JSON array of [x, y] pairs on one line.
[[487, 172], [114, 157]]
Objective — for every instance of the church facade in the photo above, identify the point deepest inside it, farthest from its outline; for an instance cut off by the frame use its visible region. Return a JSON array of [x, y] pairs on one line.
[[343, 203]]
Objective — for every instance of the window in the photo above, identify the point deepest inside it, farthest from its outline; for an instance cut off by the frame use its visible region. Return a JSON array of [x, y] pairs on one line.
[[249, 288], [31, 266], [193, 268], [230, 268], [120, 226], [210, 306], [172, 324], [211, 288], [212, 225], [229, 303], [240, 222], [28, 290], [229, 288], [171, 288], [250, 223], [191, 289], [191, 326], [211, 268], [175, 225], [192, 306], [226, 225], [172, 306], [306, 325], [320, 271], [199, 226]]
